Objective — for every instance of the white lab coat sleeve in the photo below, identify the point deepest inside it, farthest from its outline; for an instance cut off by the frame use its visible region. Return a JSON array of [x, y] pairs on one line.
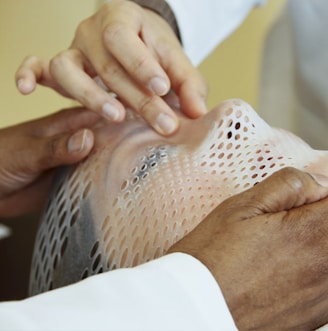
[[175, 292], [205, 24]]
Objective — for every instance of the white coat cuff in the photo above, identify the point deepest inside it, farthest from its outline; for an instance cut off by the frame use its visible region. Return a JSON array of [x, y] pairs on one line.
[[175, 292]]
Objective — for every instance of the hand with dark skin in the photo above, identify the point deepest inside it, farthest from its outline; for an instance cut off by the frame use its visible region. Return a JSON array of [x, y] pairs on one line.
[[268, 250], [30, 151], [137, 56]]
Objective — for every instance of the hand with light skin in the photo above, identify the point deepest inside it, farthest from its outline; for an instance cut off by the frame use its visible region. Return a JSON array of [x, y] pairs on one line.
[[30, 151], [137, 56], [267, 248]]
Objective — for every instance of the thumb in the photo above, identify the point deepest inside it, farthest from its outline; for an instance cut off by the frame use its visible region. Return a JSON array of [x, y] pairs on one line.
[[286, 189], [64, 148]]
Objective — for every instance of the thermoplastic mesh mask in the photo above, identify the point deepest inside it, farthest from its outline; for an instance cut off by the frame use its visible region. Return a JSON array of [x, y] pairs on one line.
[[138, 192]]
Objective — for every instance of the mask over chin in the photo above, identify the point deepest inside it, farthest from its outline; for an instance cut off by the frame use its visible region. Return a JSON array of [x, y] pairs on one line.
[[138, 192]]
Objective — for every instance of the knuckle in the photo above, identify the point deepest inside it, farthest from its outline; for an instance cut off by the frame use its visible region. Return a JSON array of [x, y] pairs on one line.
[[147, 104], [53, 148], [290, 172], [54, 151], [139, 63], [58, 61], [110, 73], [108, 70], [83, 29], [113, 32], [293, 178], [48, 154], [86, 97]]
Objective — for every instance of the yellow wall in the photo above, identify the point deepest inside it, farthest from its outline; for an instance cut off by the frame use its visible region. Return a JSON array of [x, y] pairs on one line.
[[44, 27], [38, 27]]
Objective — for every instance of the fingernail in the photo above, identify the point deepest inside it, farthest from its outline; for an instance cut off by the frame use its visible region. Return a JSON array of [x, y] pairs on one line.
[[320, 179], [165, 124], [24, 86], [110, 112], [159, 86], [77, 141]]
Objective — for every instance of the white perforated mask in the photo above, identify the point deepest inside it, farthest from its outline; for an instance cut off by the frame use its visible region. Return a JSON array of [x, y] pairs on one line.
[[138, 192]]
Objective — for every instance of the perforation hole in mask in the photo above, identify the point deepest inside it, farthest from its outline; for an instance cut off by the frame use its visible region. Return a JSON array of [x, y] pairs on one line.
[[106, 213]]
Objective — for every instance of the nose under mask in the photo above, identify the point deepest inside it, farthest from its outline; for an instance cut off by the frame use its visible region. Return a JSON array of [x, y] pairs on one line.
[[138, 193]]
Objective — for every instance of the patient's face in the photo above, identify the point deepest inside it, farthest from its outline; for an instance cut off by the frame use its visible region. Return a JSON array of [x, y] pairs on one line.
[[138, 193]]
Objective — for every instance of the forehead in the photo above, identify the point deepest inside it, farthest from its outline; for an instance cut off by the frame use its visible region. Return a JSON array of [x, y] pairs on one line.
[[138, 192]]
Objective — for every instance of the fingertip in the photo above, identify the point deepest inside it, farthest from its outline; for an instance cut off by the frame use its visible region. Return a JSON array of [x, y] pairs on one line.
[[159, 86], [199, 107], [25, 86], [193, 107], [166, 124], [113, 113], [110, 112], [193, 102]]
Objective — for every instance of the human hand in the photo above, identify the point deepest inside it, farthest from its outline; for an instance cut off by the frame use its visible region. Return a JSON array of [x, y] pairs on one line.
[[29, 151], [138, 57], [268, 250]]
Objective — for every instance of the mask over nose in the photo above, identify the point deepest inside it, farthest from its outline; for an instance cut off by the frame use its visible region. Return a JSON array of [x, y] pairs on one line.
[[138, 192]]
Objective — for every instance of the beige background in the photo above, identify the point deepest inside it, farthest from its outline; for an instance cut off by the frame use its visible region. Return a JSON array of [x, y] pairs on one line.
[[44, 27], [34, 27]]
